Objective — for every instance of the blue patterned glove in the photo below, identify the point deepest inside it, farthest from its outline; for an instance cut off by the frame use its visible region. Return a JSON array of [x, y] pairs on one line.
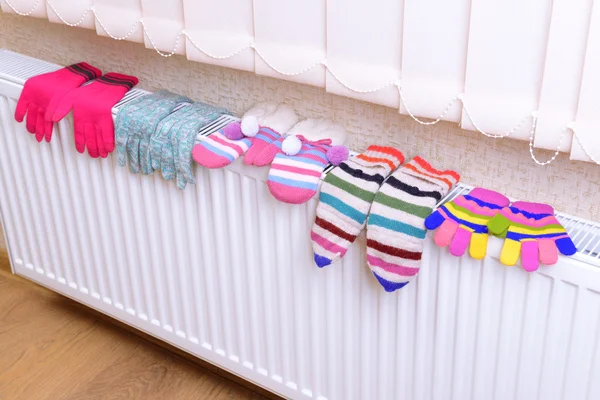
[[125, 124], [141, 120]]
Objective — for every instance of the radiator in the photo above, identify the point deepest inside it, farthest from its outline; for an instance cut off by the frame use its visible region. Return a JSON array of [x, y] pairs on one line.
[[225, 272]]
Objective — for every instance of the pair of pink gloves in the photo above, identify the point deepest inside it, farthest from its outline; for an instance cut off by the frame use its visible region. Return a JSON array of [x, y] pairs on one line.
[[48, 98]]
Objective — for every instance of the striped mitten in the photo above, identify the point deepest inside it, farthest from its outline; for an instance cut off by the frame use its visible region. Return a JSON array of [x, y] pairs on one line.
[[395, 228], [295, 178], [345, 199], [260, 126]]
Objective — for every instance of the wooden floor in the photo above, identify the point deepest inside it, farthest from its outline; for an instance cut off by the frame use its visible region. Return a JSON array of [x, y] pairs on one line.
[[54, 348]]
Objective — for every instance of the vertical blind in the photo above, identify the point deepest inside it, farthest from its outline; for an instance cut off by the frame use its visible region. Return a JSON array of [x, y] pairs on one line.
[[528, 70]]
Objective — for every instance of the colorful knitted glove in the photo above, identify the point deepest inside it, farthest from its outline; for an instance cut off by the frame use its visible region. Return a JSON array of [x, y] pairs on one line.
[[92, 112], [531, 230], [136, 123], [42, 94], [465, 220], [395, 228], [345, 199]]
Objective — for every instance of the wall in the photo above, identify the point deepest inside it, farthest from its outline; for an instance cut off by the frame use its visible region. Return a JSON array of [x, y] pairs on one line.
[[500, 164]]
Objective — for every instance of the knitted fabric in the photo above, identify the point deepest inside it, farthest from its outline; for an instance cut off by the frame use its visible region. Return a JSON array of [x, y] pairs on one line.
[[532, 231], [463, 222], [345, 200], [395, 227]]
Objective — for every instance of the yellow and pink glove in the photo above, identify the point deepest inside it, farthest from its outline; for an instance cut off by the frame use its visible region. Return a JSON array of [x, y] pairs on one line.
[[533, 232], [463, 222]]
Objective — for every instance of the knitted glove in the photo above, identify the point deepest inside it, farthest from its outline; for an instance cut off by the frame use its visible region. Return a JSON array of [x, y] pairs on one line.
[[135, 124], [464, 221], [42, 94], [92, 112], [531, 230]]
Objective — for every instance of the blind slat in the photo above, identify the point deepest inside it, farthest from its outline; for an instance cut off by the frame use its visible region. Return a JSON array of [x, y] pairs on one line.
[[25, 6], [220, 28], [364, 48], [72, 11], [119, 17], [291, 37], [587, 120], [562, 73], [164, 21], [507, 44], [434, 56]]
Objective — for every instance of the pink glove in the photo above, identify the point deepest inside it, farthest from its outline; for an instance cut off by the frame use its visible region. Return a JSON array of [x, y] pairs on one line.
[[92, 117], [42, 94]]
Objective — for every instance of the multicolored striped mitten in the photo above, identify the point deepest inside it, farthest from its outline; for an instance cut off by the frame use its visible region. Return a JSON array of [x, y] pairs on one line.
[[531, 230], [463, 221], [260, 126], [395, 228], [295, 178], [345, 199]]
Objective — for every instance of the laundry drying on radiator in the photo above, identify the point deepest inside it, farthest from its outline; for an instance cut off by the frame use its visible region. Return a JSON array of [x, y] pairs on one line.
[[298, 160], [463, 222], [262, 124], [43, 93], [92, 112], [531, 230], [172, 142], [136, 122]]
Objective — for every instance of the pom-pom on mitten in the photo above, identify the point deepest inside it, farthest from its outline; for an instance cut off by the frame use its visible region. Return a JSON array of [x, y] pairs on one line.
[[226, 145], [533, 232], [345, 199], [337, 154], [462, 222], [395, 228]]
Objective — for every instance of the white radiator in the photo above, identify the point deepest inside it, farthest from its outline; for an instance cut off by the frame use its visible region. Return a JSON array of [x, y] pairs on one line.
[[225, 272]]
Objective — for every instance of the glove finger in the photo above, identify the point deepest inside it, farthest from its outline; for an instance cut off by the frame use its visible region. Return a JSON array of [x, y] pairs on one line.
[[48, 128], [107, 134], [21, 110], [566, 246], [91, 141], [32, 115], [167, 162], [79, 130], [40, 126], [101, 145], [478, 247], [434, 220], [510, 252], [64, 106], [133, 147], [181, 182], [530, 258], [548, 252], [460, 242], [443, 237]]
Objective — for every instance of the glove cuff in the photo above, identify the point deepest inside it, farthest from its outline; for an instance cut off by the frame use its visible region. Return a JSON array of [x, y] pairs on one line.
[[85, 70], [489, 196], [115, 79]]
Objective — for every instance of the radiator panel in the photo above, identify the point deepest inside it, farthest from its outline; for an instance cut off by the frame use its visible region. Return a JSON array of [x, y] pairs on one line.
[[225, 272]]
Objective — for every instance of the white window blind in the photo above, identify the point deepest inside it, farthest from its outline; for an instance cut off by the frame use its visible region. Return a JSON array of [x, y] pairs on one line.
[[223, 29], [72, 12], [562, 73], [120, 18], [587, 121], [499, 62], [434, 55], [364, 49], [163, 21], [291, 36], [507, 44]]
